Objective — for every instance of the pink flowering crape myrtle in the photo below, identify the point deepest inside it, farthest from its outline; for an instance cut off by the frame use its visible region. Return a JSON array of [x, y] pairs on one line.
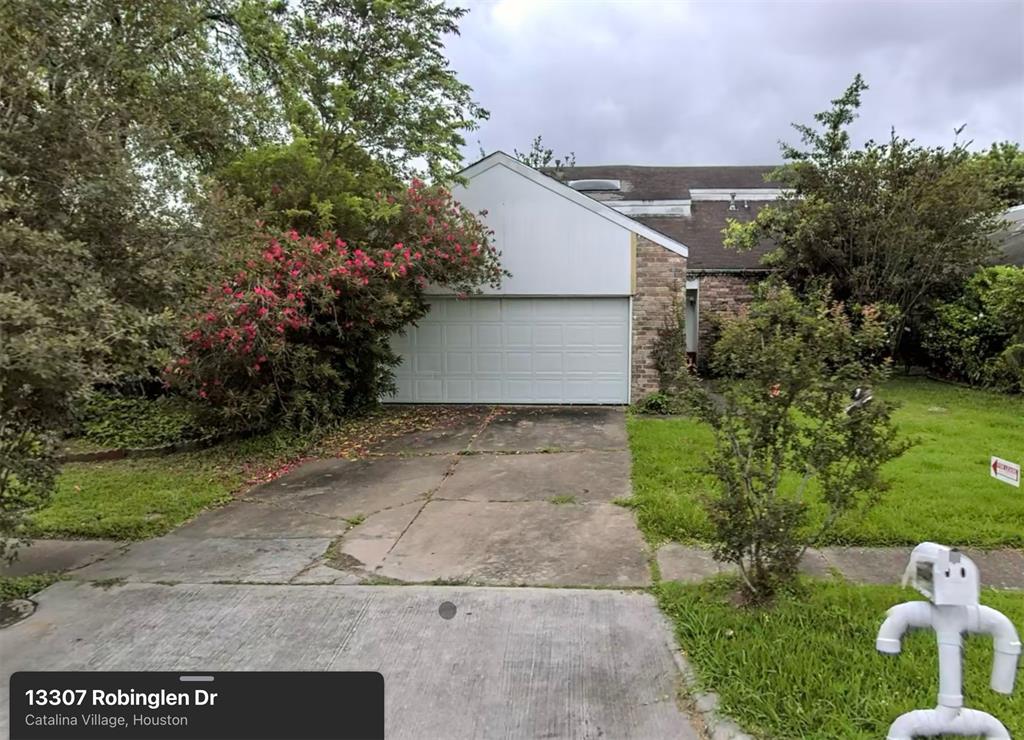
[[298, 329]]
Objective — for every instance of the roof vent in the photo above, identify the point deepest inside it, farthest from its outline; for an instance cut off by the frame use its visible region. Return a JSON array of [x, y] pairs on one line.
[[585, 185]]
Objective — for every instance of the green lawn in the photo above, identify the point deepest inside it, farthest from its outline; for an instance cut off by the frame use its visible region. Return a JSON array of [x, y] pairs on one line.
[[807, 668], [941, 489], [139, 498]]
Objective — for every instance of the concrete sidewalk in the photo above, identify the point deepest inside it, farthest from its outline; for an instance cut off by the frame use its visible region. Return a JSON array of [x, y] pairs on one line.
[[873, 565], [518, 662]]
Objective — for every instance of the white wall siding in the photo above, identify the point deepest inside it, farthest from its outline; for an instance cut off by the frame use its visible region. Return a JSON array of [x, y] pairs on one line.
[[551, 245]]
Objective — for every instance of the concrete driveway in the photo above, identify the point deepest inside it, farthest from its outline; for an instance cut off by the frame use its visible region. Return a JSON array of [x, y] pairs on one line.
[[308, 573], [510, 496]]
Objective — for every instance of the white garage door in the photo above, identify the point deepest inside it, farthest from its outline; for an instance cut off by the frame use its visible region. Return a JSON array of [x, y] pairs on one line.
[[517, 350]]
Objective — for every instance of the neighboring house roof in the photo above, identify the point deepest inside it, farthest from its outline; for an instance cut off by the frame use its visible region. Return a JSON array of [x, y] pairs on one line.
[[499, 158], [666, 183], [696, 204], [1011, 241], [702, 231]]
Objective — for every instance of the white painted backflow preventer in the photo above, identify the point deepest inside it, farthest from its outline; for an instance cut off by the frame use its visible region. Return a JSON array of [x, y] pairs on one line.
[[950, 581]]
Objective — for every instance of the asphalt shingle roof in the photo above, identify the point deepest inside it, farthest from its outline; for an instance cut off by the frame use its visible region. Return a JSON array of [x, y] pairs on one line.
[[702, 230], [702, 233], [668, 183]]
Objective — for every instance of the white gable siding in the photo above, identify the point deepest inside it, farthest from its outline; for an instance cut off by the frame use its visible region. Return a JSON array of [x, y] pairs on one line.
[[551, 245]]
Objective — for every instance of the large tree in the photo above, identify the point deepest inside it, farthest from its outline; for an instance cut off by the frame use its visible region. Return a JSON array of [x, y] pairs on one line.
[[113, 117], [892, 223]]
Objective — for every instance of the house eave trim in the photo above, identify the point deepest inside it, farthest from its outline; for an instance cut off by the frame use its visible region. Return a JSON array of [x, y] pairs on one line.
[[595, 206]]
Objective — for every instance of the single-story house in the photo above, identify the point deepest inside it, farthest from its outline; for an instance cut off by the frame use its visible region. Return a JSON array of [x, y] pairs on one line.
[[598, 256]]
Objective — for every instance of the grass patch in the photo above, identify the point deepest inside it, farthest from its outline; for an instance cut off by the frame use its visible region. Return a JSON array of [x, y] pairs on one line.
[[807, 668], [22, 587], [138, 498], [563, 499], [941, 489]]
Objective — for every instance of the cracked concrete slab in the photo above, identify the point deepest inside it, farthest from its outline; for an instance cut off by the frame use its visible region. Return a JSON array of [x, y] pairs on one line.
[[252, 518], [554, 428], [350, 488], [531, 543], [209, 560], [368, 543], [54, 556], [511, 663], [325, 575], [451, 437], [587, 476]]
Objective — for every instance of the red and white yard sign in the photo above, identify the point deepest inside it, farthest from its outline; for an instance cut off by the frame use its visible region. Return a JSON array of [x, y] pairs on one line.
[[1006, 471]]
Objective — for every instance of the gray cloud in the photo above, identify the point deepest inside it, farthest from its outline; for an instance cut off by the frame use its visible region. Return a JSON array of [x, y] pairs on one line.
[[646, 82]]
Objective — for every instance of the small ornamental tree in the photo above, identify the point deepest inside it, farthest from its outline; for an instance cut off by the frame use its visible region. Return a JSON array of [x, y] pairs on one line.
[[784, 422], [298, 331]]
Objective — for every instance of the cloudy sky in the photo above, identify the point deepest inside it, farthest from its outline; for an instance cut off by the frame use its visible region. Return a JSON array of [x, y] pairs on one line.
[[718, 82]]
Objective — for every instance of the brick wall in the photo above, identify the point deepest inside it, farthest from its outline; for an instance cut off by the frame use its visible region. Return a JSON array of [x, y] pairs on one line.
[[720, 296], [659, 274]]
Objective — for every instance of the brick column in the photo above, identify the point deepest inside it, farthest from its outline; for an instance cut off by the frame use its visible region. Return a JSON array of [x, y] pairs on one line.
[[660, 273]]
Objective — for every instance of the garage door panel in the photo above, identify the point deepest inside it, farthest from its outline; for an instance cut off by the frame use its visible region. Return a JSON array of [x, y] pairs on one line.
[[517, 310], [518, 335], [516, 350], [488, 335], [427, 335], [429, 390], [458, 335], [427, 362], [487, 362], [549, 391], [452, 311], [519, 362], [579, 335], [547, 362], [547, 335], [611, 335], [458, 390], [458, 363]]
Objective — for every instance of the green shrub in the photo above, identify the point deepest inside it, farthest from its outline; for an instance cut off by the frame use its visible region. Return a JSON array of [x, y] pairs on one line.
[[133, 422], [787, 369], [654, 403], [979, 337]]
